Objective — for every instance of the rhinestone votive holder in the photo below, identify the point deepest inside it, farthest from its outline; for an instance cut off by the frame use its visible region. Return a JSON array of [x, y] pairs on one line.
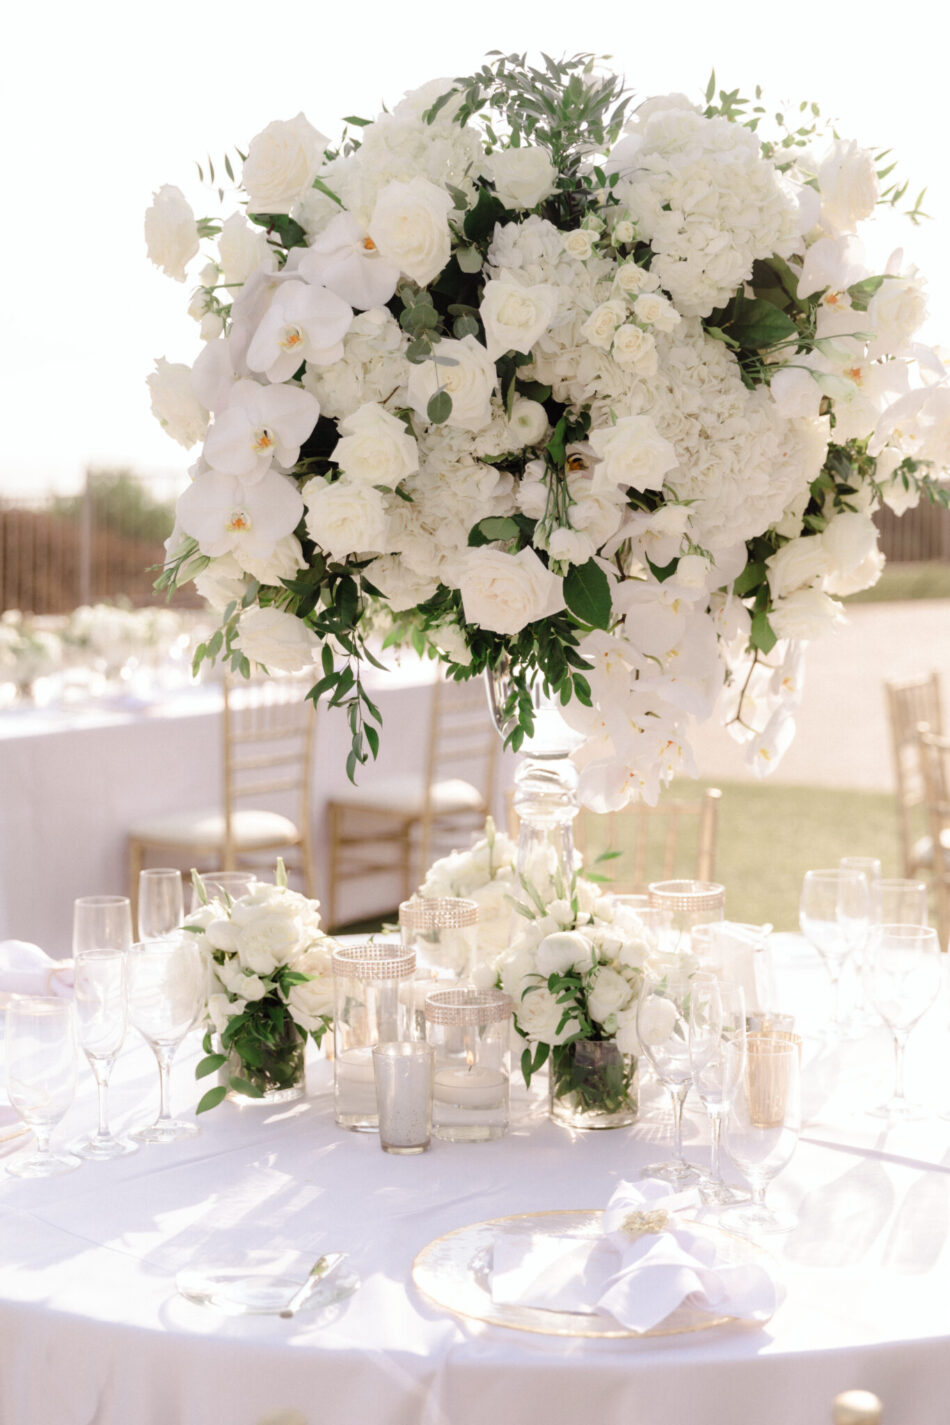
[[470, 1031], [369, 1009]]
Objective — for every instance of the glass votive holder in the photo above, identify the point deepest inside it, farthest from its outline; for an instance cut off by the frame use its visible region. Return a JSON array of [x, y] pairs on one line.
[[470, 1031], [403, 1072], [369, 1009], [443, 931], [688, 904], [739, 953]]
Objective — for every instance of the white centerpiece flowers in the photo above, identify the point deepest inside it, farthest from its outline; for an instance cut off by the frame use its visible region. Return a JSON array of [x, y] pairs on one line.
[[548, 380], [270, 988]]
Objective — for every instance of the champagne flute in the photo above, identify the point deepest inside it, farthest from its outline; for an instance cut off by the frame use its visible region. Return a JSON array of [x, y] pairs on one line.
[[167, 984], [834, 912], [41, 1077], [99, 994], [161, 902], [663, 1031], [717, 1038], [101, 923], [903, 977], [762, 1127]]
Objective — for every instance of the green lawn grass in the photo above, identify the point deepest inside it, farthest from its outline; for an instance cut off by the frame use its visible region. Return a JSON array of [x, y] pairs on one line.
[[926, 580]]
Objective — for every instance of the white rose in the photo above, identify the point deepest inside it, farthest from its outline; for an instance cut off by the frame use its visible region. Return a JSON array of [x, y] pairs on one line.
[[563, 951], [451, 642], [410, 228], [806, 614], [656, 1020], [281, 164], [895, 312], [528, 422], [570, 546], [174, 404], [847, 182], [623, 232], [240, 982], [312, 1002], [221, 582], [862, 576], [847, 540], [268, 932], [602, 323], [470, 382], [523, 177], [345, 518], [375, 448], [633, 453], [539, 1015], [609, 993], [796, 565], [243, 249], [634, 349], [656, 311], [579, 243], [282, 562], [515, 316], [171, 233], [632, 278], [220, 1010], [276, 639], [504, 592]]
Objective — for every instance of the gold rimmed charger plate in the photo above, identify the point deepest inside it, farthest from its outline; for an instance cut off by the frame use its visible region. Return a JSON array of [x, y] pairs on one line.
[[454, 1273]]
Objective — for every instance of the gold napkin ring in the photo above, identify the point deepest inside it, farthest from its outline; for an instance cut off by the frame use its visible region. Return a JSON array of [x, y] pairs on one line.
[[640, 1224]]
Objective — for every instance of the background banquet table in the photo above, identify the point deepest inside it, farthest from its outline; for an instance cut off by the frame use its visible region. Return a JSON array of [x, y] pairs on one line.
[[91, 1328], [74, 780]]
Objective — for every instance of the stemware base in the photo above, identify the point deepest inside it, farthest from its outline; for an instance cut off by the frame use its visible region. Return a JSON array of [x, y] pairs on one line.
[[750, 1220], [43, 1165], [677, 1173], [719, 1194], [166, 1130], [101, 1150], [901, 1111]]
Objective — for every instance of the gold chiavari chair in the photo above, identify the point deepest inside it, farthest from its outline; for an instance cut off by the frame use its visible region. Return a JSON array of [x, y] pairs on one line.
[[912, 704], [674, 839]]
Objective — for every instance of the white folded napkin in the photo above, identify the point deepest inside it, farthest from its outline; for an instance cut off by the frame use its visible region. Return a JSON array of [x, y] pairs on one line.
[[649, 1261], [27, 970]]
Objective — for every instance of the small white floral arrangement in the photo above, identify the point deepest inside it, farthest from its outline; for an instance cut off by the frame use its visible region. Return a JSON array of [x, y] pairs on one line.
[[486, 874], [271, 986], [606, 393]]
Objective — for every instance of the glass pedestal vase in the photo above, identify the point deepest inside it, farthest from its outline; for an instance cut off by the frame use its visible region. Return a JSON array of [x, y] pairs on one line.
[[281, 1076], [593, 1085]]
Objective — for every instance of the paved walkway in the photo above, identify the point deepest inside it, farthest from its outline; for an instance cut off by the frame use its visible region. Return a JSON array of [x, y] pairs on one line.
[[843, 738]]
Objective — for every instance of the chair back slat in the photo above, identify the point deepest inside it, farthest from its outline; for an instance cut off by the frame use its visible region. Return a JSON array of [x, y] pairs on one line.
[[676, 838], [912, 704]]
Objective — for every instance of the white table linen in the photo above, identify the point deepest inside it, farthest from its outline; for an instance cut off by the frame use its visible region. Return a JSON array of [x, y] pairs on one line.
[[91, 1327]]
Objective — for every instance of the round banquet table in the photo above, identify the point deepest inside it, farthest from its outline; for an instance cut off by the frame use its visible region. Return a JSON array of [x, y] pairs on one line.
[[92, 1329]]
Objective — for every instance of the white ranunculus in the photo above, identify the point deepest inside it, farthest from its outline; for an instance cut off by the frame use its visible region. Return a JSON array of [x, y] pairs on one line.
[[633, 453], [281, 164], [563, 951], [410, 228], [311, 1003], [174, 404], [515, 316], [523, 177], [847, 182], [470, 382], [609, 993], [345, 517], [375, 447], [806, 614], [797, 565], [505, 592], [243, 249], [277, 640], [171, 233], [528, 421]]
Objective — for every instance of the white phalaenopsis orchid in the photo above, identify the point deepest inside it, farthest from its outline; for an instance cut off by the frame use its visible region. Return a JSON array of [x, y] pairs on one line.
[[227, 515], [345, 259], [302, 324], [259, 425]]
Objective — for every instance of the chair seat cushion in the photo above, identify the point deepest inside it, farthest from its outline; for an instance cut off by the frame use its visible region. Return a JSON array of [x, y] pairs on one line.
[[249, 828], [406, 795]]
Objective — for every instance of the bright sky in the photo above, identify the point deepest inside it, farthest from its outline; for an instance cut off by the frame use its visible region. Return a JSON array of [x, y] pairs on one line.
[[104, 102]]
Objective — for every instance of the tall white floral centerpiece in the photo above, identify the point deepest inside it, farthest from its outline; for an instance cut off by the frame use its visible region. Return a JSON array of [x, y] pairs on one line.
[[601, 391]]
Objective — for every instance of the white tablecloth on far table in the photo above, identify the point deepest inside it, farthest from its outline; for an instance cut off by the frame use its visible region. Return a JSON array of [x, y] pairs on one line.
[[91, 1328]]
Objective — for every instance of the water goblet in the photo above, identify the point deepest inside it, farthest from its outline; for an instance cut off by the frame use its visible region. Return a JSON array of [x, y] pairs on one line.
[[161, 902], [717, 1038], [834, 913], [41, 1077], [762, 1128], [99, 995], [903, 977], [223, 886], [663, 1031], [101, 923], [870, 868], [902, 901], [167, 984]]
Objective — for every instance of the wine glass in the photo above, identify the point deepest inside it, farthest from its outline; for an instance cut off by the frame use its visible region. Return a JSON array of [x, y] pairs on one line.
[[903, 978], [717, 1037], [663, 1031], [167, 984], [902, 901], [99, 994], [41, 1077], [762, 1127], [101, 923], [161, 902], [870, 868], [223, 886], [834, 913]]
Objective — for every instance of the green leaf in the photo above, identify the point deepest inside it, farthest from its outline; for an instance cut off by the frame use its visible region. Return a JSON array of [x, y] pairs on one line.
[[469, 259], [212, 1098], [759, 324], [239, 1085], [439, 408], [750, 578], [587, 594], [498, 527], [762, 636], [207, 1066]]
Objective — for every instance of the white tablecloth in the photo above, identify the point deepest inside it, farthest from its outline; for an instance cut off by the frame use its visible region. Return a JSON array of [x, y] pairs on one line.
[[91, 1328], [73, 782]]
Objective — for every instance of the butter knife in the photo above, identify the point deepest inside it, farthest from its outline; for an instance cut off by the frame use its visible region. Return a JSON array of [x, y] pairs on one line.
[[322, 1268]]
